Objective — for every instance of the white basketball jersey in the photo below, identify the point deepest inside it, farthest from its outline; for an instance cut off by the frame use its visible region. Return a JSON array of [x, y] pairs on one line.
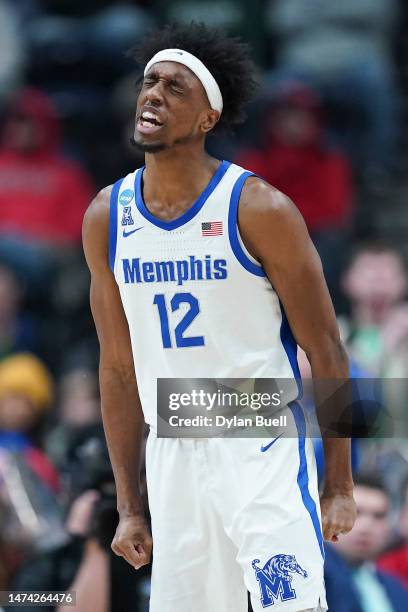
[[197, 304]]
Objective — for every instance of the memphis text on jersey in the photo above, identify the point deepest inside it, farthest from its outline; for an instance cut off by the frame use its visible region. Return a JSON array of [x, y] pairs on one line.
[[178, 271]]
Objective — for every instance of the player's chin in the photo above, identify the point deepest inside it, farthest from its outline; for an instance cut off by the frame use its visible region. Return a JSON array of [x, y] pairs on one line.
[[148, 145]]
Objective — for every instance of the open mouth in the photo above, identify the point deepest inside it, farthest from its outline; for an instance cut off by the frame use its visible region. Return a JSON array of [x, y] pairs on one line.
[[148, 123]]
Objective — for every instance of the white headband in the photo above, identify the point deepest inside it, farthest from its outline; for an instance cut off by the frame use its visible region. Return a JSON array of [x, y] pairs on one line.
[[202, 73]]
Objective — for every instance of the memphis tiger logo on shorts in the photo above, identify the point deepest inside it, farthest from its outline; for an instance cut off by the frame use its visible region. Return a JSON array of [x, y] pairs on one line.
[[275, 579]]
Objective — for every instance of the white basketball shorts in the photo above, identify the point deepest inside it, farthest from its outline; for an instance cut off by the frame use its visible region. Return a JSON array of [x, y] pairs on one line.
[[231, 516]]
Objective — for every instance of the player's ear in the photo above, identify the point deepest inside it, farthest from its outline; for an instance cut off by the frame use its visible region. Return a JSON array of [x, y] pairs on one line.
[[209, 120]]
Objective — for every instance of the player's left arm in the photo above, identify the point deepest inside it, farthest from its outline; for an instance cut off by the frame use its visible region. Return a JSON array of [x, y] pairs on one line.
[[275, 233]]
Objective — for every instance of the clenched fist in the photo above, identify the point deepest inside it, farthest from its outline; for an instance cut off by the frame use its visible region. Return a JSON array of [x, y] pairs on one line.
[[133, 541], [338, 514]]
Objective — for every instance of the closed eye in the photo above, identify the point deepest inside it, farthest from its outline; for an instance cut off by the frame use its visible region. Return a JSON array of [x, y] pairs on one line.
[[176, 86], [149, 81]]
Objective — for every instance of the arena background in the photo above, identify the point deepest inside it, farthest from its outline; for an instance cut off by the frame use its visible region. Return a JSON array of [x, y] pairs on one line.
[[328, 128]]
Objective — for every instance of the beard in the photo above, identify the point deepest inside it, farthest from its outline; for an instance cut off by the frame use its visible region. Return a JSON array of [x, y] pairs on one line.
[[160, 146], [148, 148]]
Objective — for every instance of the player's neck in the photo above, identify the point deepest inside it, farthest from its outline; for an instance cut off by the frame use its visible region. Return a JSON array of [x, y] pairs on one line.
[[173, 178]]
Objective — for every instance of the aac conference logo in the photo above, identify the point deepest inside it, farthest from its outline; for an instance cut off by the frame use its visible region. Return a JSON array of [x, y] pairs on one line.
[[126, 197]]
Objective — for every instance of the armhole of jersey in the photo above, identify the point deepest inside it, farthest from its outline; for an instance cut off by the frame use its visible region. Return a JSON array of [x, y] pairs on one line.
[[113, 223], [237, 245]]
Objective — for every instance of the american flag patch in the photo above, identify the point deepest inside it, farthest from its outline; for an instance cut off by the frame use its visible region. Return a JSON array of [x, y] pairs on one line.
[[212, 228]]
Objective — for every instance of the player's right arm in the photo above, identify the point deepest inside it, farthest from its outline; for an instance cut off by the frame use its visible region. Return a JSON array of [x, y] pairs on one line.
[[121, 409]]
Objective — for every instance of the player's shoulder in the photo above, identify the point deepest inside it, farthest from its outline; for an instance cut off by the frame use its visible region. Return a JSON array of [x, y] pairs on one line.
[[258, 196], [267, 216], [95, 225], [98, 209]]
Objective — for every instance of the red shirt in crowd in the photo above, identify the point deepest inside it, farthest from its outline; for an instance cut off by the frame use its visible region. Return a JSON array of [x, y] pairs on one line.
[[295, 160], [395, 562], [42, 194], [319, 182]]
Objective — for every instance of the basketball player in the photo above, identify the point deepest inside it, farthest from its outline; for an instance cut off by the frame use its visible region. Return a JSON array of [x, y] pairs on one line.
[[200, 270]]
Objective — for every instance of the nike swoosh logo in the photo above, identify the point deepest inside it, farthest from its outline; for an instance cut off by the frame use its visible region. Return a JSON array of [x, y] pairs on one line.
[[268, 446], [126, 234]]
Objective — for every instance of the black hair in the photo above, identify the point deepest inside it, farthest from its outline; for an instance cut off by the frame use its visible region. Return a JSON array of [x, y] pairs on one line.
[[228, 59], [370, 481]]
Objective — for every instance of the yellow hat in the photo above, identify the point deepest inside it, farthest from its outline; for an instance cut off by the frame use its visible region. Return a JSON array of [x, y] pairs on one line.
[[24, 374]]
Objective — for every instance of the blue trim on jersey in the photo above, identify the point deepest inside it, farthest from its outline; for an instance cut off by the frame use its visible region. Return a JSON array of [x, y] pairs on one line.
[[191, 212], [233, 228], [113, 222], [303, 476], [290, 346]]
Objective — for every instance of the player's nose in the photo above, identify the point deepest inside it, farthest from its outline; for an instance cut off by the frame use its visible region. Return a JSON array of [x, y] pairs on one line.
[[155, 95]]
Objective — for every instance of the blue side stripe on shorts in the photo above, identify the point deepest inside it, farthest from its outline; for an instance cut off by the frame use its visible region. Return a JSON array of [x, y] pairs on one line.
[[303, 476]]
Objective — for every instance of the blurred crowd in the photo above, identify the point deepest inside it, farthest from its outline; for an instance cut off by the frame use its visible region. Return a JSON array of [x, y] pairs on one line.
[[327, 128]]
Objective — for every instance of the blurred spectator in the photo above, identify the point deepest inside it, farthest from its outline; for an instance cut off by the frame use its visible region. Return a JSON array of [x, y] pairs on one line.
[[43, 196], [25, 394], [226, 14], [123, 588], [84, 464], [86, 558], [395, 340], [294, 159], [9, 558], [79, 399], [32, 515], [394, 368], [17, 331], [12, 51], [242, 18], [87, 42], [115, 28], [28, 481], [395, 561], [122, 106], [353, 584], [94, 569], [78, 410], [345, 49], [55, 569], [375, 282]]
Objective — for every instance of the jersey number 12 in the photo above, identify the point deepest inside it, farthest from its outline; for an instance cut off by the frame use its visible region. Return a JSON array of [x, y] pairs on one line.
[[180, 329]]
